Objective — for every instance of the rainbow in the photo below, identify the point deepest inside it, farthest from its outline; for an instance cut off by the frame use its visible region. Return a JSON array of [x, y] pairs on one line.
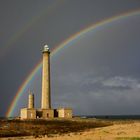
[[46, 11], [64, 44]]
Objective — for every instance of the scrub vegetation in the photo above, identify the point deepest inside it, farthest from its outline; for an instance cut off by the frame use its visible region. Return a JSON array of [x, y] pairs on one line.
[[40, 128]]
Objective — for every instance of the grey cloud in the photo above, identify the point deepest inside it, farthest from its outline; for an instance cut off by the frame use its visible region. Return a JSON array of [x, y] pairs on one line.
[[99, 95], [83, 71]]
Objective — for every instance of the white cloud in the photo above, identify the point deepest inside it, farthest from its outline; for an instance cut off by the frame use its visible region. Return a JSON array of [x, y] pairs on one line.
[[124, 82]]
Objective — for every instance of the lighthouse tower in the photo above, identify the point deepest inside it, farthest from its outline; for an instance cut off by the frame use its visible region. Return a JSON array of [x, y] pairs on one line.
[[46, 99]]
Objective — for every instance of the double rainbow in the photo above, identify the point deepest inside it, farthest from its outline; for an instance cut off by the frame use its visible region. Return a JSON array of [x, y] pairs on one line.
[[64, 44], [47, 11]]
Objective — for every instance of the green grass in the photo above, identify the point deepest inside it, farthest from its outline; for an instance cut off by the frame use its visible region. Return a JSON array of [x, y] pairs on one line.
[[127, 138]]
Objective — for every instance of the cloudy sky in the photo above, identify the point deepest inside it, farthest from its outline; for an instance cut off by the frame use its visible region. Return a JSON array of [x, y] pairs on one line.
[[97, 74]]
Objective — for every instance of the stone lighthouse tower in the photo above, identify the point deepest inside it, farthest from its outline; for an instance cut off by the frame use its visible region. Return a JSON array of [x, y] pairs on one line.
[[46, 99]]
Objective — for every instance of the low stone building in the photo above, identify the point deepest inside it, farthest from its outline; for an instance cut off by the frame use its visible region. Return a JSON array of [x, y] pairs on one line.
[[64, 112], [28, 113], [32, 113], [45, 113]]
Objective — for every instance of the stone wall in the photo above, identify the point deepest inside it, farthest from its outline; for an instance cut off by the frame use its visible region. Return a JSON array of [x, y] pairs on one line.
[[27, 113], [64, 113]]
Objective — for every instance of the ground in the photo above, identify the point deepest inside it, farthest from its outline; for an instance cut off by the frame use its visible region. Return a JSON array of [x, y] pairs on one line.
[[88, 130]]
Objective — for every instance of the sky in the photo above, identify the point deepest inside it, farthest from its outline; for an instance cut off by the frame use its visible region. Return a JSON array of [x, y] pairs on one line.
[[96, 74]]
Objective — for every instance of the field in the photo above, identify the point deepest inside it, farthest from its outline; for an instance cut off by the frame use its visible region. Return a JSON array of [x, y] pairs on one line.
[[73, 129], [37, 128]]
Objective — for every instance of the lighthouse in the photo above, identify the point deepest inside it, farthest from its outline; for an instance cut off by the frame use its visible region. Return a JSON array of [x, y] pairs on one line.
[[46, 95], [45, 111]]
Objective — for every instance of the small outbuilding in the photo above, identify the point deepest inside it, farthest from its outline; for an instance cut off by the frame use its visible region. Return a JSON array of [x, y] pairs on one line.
[[64, 112]]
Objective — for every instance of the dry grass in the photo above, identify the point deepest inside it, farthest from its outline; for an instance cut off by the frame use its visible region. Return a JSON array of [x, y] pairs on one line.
[[39, 128], [127, 138]]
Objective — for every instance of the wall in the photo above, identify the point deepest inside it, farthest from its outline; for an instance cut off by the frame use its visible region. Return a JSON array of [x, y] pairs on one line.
[[26, 113], [64, 113]]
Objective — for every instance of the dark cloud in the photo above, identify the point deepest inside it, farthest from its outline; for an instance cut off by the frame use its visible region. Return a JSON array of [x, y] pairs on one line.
[[96, 74]]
